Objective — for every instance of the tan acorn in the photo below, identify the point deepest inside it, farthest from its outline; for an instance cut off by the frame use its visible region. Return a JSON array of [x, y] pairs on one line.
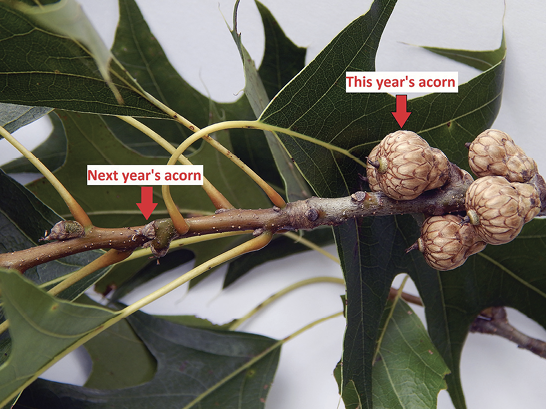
[[446, 242], [404, 165], [494, 153], [499, 209]]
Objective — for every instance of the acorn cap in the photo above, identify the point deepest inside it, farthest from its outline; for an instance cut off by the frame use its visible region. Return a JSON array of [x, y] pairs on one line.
[[494, 153], [403, 166], [446, 242], [499, 209]]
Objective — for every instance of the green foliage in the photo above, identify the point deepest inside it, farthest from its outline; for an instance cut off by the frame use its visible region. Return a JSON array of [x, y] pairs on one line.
[[51, 152], [326, 112], [195, 368], [24, 220], [408, 371], [388, 359], [510, 275], [13, 117], [60, 68], [41, 328]]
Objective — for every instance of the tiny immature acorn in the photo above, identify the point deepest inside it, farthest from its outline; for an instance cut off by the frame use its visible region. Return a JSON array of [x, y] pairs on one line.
[[65, 230], [498, 209], [494, 153], [164, 232], [446, 242], [404, 165]]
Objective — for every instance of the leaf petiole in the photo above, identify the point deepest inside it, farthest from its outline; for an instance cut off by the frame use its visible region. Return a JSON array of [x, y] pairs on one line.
[[252, 245], [217, 198], [276, 345], [391, 312], [75, 209], [238, 322]]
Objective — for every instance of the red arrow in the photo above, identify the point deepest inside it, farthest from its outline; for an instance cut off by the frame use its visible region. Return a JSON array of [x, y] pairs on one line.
[[146, 204], [401, 115]]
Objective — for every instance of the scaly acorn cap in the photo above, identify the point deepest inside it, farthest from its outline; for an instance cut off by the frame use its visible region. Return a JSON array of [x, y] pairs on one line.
[[494, 153], [498, 209], [446, 242], [404, 165]]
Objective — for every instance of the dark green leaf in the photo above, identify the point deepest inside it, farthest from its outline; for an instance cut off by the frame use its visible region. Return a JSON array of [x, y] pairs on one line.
[[13, 117], [282, 58], [482, 60], [280, 247], [51, 152], [371, 253], [408, 371], [196, 368], [57, 71], [120, 358], [41, 327], [25, 213]]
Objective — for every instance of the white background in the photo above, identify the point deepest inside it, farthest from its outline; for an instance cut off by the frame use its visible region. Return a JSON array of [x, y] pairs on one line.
[[496, 374]]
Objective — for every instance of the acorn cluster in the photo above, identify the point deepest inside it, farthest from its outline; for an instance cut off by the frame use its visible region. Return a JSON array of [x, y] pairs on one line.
[[498, 203]]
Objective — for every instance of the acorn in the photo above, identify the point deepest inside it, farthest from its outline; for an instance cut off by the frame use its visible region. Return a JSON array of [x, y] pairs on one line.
[[65, 230], [446, 242], [404, 165], [494, 153], [498, 208]]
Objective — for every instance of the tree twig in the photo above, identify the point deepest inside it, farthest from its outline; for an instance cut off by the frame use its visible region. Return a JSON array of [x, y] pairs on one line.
[[494, 321], [304, 214], [393, 293]]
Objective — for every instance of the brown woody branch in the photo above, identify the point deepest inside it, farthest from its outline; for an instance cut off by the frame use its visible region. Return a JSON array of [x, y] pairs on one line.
[[494, 321], [304, 214]]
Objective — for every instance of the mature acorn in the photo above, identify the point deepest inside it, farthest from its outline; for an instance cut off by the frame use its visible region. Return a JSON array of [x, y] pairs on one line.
[[404, 165], [499, 209], [494, 153], [446, 242]]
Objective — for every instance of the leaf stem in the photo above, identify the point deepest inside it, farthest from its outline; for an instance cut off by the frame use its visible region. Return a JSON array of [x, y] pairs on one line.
[[275, 198], [309, 244], [75, 209], [391, 312], [217, 198], [179, 223], [329, 146], [238, 322], [273, 195], [251, 245], [186, 242], [107, 259]]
